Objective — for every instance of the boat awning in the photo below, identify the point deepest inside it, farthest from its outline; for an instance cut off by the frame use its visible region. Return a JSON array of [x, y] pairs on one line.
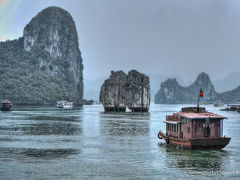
[[204, 115], [172, 122]]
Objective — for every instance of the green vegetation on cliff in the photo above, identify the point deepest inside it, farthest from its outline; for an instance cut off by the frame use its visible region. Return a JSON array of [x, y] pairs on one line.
[[24, 82], [42, 67]]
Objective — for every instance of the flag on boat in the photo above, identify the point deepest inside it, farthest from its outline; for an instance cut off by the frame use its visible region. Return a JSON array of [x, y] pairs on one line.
[[201, 93]]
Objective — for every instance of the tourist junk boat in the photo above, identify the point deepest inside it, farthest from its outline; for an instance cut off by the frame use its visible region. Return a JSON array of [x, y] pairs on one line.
[[6, 105], [195, 128], [218, 104], [64, 104]]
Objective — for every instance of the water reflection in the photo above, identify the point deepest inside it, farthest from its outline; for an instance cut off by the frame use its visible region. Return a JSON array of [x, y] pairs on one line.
[[47, 125], [45, 143], [54, 118], [49, 153], [194, 161], [124, 124], [43, 154]]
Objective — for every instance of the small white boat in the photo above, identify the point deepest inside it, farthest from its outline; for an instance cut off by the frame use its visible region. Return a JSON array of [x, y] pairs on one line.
[[64, 104], [219, 104]]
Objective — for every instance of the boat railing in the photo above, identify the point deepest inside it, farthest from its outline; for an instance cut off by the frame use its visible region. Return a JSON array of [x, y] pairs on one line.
[[173, 117]]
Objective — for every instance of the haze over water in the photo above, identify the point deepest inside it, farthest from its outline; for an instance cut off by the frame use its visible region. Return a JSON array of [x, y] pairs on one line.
[[86, 143]]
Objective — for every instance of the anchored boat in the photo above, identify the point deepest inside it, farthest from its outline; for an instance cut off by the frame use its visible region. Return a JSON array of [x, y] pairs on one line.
[[6, 105], [195, 128], [218, 104], [64, 104]]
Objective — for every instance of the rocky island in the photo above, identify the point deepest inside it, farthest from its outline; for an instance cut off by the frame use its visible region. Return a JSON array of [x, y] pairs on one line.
[[44, 65], [120, 91], [172, 93]]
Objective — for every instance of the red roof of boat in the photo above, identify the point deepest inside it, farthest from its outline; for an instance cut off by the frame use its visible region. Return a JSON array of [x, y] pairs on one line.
[[203, 115]]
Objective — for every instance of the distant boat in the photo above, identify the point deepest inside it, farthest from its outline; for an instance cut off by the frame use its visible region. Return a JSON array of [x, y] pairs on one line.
[[87, 102], [218, 104], [6, 105], [64, 104], [232, 107]]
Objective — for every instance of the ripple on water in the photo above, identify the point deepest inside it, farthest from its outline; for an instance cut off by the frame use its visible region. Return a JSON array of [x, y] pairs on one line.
[[86, 143]]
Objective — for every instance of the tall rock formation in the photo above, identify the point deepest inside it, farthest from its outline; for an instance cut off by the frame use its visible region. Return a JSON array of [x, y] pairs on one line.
[[172, 93], [49, 62], [138, 91], [113, 92], [120, 91]]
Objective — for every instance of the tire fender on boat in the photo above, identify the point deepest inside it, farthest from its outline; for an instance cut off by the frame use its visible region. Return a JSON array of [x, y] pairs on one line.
[[159, 136]]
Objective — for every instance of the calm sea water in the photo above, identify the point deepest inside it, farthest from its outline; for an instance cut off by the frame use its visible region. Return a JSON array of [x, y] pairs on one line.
[[86, 143]]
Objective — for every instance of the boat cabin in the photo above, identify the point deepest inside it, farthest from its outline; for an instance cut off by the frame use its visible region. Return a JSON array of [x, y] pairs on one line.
[[194, 123]]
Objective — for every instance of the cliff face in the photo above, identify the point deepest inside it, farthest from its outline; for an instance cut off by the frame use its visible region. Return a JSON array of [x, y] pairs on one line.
[[50, 61], [113, 92], [138, 91], [232, 96], [120, 91], [172, 93]]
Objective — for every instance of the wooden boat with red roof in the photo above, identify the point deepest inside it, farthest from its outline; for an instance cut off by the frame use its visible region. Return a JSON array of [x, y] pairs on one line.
[[195, 128]]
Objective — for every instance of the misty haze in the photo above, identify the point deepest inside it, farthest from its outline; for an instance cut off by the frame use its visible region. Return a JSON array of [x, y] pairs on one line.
[[109, 89]]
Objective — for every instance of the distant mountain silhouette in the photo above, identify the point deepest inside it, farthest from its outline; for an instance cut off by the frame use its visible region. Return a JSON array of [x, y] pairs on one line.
[[230, 81], [172, 93]]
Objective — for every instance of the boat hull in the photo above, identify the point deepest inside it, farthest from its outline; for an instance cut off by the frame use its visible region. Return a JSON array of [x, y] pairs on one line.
[[199, 143], [6, 108]]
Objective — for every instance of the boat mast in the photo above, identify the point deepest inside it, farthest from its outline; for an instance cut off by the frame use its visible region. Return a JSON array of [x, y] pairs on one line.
[[200, 95], [198, 103]]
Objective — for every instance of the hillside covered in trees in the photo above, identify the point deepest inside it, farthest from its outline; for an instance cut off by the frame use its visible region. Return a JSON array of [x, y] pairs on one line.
[[44, 65]]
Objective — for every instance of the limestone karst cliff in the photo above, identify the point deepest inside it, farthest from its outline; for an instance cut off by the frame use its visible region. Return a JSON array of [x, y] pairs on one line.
[[120, 91], [172, 93], [113, 92], [44, 65], [138, 91], [231, 96]]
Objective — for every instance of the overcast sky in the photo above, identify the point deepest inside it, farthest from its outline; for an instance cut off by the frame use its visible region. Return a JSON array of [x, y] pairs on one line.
[[153, 36]]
